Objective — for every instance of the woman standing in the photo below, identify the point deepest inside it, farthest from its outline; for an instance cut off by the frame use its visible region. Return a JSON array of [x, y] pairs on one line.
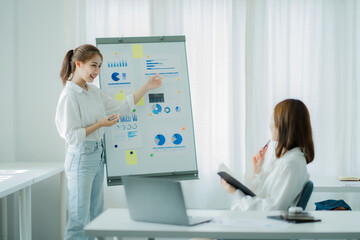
[[82, 113]]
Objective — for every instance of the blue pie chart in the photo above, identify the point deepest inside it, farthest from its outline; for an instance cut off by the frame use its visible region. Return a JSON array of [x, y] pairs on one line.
[[156, 108], [160, 139], [177, 139], [115, 76]]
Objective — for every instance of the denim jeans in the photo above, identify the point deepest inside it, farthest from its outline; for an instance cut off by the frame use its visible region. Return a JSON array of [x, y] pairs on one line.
[[84, 168]]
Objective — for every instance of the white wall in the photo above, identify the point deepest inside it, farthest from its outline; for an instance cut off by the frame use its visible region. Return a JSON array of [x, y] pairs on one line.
[[7, 48], [40, 51], [7, 59], [35, 36]]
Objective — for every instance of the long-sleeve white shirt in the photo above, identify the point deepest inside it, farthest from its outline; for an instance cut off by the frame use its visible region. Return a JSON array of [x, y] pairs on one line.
[[78, 109], [277, 186]]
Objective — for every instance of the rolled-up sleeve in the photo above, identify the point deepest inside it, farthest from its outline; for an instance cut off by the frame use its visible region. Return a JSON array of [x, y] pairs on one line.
[[115, 106], [68, 122]]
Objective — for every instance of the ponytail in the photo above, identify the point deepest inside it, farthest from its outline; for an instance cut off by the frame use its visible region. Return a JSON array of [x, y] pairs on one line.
[[68, 67]]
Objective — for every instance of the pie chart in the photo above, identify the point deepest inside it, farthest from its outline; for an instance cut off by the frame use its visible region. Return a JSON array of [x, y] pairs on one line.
[[115, 76], [177, 139], [156, 108], [160, 139]]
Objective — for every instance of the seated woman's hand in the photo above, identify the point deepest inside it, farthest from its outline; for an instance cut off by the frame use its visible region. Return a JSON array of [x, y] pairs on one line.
[[230, 189], [258, 160]]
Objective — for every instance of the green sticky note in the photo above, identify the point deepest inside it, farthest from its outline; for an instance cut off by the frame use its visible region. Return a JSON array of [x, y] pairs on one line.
[[120, 96], [137, 50], [131, 158]]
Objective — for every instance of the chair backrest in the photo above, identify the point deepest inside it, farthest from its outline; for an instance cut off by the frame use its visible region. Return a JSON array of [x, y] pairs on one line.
[[305, 194]]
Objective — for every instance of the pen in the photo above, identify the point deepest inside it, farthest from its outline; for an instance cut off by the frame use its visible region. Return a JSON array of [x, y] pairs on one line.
[[261, 151], [266, 144], [112, 118]]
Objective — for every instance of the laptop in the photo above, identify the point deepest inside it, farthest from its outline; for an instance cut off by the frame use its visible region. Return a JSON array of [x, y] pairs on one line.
[[157, 201]]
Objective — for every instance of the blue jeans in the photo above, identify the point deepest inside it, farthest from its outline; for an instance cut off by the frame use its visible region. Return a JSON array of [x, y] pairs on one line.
[[84, 168]]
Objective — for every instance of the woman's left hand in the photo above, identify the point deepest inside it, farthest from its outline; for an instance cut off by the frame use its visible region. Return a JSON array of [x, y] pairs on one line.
[[229, 188], [154, 82]]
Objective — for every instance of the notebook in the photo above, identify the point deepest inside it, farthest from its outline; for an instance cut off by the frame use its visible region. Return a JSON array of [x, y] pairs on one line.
[[157, 201]]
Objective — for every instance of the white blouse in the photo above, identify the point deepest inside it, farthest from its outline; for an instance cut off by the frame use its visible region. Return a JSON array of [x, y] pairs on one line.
[[277, 186], [78, 109]]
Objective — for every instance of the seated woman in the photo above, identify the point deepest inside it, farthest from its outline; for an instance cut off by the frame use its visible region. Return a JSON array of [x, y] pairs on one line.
[[278, 183]]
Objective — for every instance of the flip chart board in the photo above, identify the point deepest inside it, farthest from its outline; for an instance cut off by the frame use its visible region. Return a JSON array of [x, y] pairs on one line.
[[157, 138]]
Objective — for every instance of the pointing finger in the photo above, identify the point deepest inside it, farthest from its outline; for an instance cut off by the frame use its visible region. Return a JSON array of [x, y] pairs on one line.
[[156, 76]]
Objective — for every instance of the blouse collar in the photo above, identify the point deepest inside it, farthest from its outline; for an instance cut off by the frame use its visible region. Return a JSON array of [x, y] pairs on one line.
[[74, 87]]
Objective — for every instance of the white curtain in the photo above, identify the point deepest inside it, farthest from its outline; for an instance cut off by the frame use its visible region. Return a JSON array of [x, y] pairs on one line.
[[307, 50], [244, 57]]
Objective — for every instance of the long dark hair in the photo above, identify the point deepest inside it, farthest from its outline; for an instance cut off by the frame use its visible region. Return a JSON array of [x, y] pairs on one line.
[[83, 54], [292, 119]]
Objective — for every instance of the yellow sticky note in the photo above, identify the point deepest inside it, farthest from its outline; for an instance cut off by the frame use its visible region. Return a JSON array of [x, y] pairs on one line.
[[141, 102], [119, 96], [131, 158], [137, 50]]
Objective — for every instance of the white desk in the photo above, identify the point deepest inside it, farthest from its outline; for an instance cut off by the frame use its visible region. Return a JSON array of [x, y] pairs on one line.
[[332, 184], [18, 177], [335, 224]]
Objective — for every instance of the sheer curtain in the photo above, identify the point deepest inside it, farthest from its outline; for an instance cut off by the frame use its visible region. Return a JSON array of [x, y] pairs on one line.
[[244, 57], [307, 50]]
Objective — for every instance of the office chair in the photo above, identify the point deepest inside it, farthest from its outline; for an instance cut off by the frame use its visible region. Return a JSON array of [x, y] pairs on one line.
[[305, 194]]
